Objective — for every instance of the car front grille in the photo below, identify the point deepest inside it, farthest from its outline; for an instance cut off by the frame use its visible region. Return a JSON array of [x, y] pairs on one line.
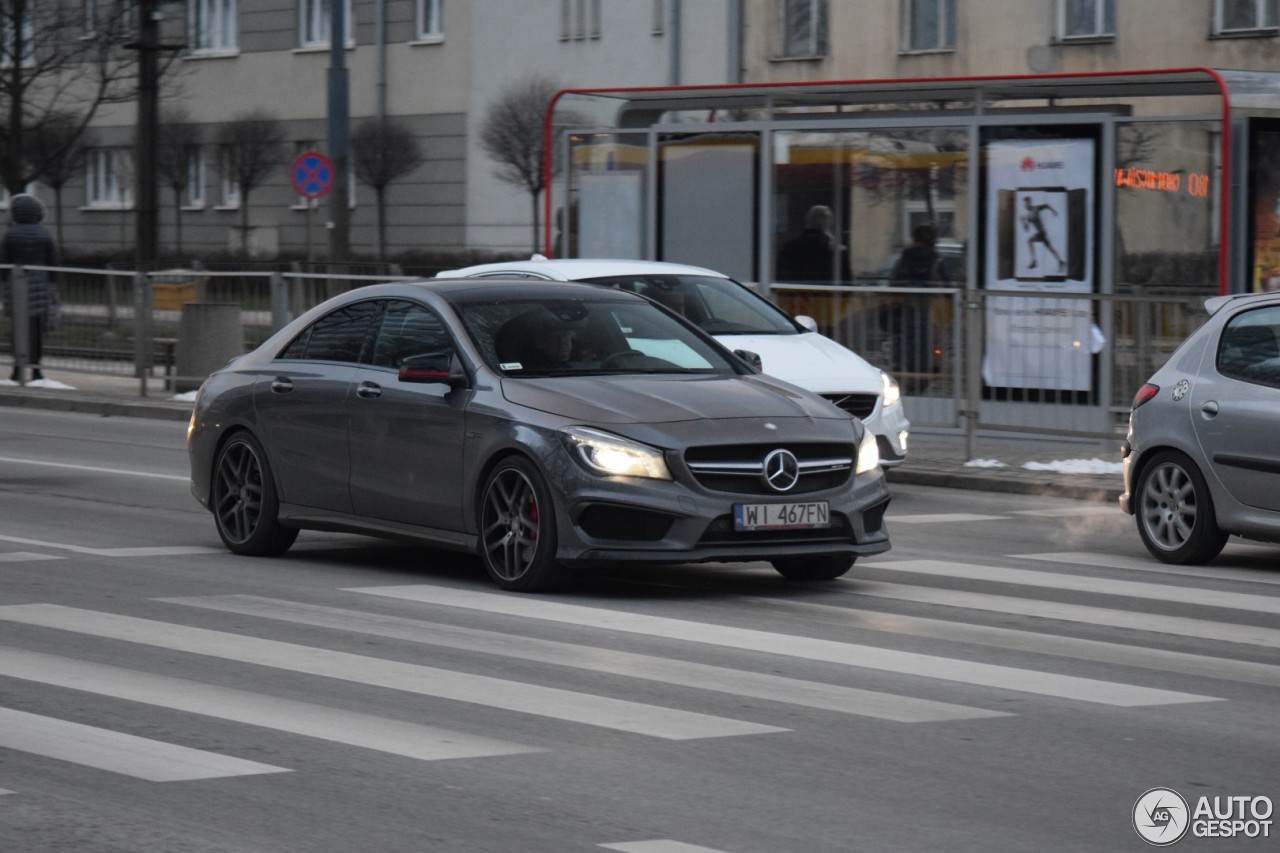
[[858, 405], [739, 469]]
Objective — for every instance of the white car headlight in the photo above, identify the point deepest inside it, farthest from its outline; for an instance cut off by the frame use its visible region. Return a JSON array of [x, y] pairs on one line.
[[892, 393], [868, 453], [614, 456]]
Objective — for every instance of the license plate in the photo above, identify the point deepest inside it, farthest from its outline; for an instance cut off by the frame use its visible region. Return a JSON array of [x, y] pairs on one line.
[[793, 516]]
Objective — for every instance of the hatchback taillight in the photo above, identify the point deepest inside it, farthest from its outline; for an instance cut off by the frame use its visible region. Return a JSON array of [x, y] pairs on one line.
[[1145, 393]]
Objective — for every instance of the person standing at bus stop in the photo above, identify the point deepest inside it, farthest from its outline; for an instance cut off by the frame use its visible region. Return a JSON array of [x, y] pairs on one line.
[[27, 243]]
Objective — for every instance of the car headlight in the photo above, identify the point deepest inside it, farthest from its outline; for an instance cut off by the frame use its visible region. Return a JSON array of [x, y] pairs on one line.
[[892, 393], [615, 456], [868, 453]]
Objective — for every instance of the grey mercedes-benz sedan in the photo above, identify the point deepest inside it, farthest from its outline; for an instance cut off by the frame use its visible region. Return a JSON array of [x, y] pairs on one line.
[[544, 426]]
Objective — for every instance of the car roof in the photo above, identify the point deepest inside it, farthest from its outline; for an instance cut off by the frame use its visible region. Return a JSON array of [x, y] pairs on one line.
[[514, 288], [577, 269], [1214, 304]]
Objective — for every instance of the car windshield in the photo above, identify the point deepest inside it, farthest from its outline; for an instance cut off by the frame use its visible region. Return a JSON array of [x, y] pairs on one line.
[[719, 306], [585, 337]]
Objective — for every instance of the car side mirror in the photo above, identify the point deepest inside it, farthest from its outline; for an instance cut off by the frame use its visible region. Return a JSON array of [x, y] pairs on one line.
[[750, 358], [431, 367], [807, 322]]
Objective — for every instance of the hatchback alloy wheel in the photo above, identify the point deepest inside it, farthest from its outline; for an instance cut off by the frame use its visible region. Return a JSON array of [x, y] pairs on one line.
[[1175, 512]]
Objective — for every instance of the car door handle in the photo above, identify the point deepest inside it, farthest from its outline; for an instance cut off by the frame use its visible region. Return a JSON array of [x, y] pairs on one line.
[[369, 390], [1210, 408], [281, 385]]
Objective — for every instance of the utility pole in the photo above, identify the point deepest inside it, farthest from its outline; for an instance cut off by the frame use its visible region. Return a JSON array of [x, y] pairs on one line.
[[145, 201], [339, 134]]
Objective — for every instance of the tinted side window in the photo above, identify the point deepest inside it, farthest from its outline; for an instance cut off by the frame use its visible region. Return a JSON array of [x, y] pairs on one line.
[[1249, 348], [338, 336], [408, 329]]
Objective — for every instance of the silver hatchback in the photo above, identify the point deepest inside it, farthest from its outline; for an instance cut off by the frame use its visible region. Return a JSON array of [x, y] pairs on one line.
[[1202, 458]]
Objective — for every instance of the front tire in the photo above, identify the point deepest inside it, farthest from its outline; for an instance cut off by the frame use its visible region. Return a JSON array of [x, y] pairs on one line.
[[246, 507], [518, 528], [1175, 512], [813, 568]]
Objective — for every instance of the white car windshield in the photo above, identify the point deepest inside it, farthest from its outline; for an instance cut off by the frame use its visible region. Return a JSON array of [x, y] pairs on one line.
[[719, 306]]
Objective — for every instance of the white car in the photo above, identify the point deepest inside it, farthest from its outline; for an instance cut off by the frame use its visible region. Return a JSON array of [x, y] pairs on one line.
[[789, 349]]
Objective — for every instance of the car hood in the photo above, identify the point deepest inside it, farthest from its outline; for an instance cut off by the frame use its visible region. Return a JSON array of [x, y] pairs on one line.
[[809, 360], [666, 399]]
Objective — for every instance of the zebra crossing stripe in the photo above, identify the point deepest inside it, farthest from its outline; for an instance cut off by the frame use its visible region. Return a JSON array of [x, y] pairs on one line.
[[521, 697], [26, 557], [1138, 564], [1097, 586], [662, 845], [809, 648], [792, 691], [118, 752], [425, 743]]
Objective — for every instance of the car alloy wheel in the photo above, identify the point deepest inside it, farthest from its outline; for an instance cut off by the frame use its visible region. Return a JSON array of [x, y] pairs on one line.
[[245, 505], [518, 528], [1175, 512]]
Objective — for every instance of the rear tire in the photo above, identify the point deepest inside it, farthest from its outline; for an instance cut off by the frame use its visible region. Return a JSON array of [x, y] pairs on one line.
[[245, 505], [518, 528], [813, 568], [1175, 512]]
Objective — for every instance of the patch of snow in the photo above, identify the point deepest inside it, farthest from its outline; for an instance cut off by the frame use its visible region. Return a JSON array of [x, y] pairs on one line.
[[50, 383], [985, 463], [188, 397], [1076, 466], [7, 382]]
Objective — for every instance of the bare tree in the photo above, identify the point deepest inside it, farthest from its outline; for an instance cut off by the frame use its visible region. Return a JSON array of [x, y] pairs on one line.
[[383, 151], [178, 142], [254, 142], [512, 135], [68, 67], [57, 149]]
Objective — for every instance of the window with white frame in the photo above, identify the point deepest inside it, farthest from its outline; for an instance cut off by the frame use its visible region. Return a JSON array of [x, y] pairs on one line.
[[429, 24], [213, 25], [108, 178], [314, 26], [928, 25], [1086, 19], [802, 28], [193, 192], [230, 187], [579, 19], [1235, 16]]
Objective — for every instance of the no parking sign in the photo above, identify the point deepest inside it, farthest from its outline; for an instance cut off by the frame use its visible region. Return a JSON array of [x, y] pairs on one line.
[[312, 174]]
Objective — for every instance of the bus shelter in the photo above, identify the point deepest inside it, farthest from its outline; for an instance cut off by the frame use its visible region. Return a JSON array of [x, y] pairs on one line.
[[1078, 219]]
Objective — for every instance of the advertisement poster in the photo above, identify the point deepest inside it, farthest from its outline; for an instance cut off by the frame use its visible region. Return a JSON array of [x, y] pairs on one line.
[[1040, 200], [1266, 210]]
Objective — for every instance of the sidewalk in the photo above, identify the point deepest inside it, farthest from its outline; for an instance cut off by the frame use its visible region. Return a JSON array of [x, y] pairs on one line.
[[1080, 469]]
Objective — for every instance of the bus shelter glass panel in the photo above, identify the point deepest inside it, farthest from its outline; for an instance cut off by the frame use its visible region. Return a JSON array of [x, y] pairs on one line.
[[707, 201], [606, 188]]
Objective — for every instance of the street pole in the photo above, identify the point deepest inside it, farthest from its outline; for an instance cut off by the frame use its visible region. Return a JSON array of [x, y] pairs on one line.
[[339, 121], [145, 202]]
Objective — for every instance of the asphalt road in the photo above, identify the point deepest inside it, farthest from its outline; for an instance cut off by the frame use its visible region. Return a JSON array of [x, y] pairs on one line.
[[1012, 676]]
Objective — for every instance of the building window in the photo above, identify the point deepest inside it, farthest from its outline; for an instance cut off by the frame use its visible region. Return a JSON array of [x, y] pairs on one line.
[[802, 27], [429, 25], [1233, 16], [1086, 19], [579, 19], [659, 17], [193, 193], [230, 195], [928, 25], [213, 25], [28, 47], [313, 23], [108, 180]]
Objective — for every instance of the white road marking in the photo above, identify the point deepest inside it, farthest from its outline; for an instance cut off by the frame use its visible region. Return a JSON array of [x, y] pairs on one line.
[[829, 651], [773, 688], [26, 557], [117, 752], [93, 469], [516, 696], [3, 792], [1150, 564], [943, 518], [151, 551], [661, 845], [1095, 586], [1074, 511], [425, 743], [1203, 629]]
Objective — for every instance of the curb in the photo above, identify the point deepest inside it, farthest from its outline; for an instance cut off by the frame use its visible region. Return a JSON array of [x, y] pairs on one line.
[[93, 405], [1008, 485]]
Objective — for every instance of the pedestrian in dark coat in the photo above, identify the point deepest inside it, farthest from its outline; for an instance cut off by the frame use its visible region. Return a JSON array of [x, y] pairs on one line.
[[28, 243]]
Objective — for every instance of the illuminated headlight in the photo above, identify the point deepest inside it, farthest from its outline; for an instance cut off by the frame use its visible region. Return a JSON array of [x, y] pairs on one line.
[[614, 456], [868, 454], [892, 393]]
